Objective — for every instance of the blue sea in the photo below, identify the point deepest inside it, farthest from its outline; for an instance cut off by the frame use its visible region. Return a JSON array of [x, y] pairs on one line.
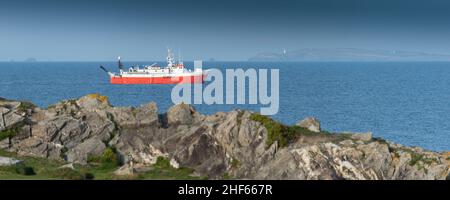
[[408, 103]]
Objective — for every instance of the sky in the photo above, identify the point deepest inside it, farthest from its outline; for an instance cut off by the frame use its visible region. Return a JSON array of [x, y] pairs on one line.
[[232, 30]]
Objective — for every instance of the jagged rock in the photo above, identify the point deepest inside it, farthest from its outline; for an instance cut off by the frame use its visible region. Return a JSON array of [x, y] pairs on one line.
[[145, 115], [91, 147], [140, 145], [62, 130], [310, 123], [195, 148], [9, 118], [123, 116], [2, 119], [362, 136], [12, 105], [4, 144], [21, 133], [93, 101], [181, 114], [5, 161], [224, 143], [125, 170]]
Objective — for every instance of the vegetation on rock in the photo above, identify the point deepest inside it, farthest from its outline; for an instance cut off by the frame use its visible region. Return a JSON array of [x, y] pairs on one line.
[[99, 97], [237, 144], [108, 159], [281, 133], [11, 131], [25, 105], [163, 170]]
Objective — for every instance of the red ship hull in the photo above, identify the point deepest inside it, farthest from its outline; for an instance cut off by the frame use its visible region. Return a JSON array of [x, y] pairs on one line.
[[158, 80]]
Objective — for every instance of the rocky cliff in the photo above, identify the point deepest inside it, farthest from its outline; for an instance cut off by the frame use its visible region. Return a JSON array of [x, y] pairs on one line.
[[237, 144]]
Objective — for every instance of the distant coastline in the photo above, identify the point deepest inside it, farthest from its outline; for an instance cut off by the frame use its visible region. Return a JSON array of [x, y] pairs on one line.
[[349, 55]]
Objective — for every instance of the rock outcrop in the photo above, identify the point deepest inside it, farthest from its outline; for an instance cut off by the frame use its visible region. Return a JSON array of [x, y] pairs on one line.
[[310, 123], [229, 144]]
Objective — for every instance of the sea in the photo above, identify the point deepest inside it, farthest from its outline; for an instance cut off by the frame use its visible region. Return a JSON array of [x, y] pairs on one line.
[[404, 102]]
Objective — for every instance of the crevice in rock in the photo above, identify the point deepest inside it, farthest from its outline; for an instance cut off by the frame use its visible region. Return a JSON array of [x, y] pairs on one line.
[[162, 118], [3, 119]]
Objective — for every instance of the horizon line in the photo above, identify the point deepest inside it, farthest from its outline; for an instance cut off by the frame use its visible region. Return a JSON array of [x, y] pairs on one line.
[[273, 61]]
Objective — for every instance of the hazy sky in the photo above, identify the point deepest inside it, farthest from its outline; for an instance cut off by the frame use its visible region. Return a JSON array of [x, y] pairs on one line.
[[225, 30]]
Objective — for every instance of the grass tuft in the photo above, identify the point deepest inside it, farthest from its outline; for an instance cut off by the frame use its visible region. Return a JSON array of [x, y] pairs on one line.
[[163, 170], [281, 133], [11, 131], [25, 105], [108, 160]]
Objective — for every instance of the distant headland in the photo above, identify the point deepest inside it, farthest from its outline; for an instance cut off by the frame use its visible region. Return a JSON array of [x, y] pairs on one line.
[[348, 54]]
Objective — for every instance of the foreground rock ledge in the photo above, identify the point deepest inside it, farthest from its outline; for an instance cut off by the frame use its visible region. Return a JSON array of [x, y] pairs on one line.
[[229, 144]]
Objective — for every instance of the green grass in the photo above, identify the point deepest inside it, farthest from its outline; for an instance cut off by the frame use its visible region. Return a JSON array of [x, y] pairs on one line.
[[11, 131], [25, 105], [285, 134], [102, 169], [276, 131], [235, 163], [163, 170], [109, 157], [41, 168], [417, 158], [226, 176], [70, 174]]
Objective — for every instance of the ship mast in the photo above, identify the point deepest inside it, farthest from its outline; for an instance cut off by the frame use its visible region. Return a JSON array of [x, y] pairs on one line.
[[120, 65], [170, 61]]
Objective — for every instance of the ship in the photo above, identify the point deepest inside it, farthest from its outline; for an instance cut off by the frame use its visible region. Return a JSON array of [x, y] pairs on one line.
[[173, 73]]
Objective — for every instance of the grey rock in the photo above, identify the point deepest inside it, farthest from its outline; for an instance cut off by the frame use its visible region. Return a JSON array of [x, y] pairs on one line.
[[93, 102], [147, 115], [181, 114], [11, 118], [310, 123], [6, 161], [125, 170], [4, 144], [124, 116], [3, 111], [12, 105], [222, 143], [91, 147], [347, 143], [362, 136]]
